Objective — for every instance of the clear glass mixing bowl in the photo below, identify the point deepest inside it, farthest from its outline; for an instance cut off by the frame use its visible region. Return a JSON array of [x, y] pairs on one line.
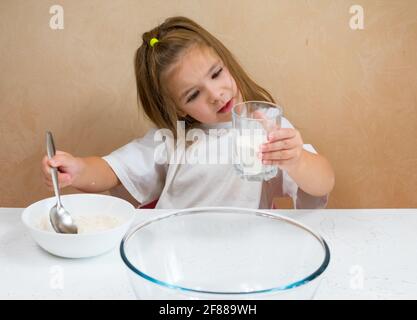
[[224, 253]]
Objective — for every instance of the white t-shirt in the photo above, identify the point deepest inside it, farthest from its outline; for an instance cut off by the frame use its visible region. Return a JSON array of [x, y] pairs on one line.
[[140, 168]]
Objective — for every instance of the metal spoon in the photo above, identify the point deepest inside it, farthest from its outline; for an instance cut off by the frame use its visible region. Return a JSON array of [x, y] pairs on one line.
[[60, 218]]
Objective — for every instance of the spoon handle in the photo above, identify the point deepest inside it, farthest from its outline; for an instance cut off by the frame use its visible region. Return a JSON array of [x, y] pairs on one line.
[[50, 148]]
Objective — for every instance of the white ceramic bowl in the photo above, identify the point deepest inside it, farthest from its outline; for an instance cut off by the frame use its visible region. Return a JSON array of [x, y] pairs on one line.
[[80, 245]]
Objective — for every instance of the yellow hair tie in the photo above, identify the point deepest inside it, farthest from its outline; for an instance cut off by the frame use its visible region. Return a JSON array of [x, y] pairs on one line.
[[153, 41]]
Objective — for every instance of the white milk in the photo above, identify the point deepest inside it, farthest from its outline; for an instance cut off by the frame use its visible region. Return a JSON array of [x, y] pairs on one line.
[[247, 148]]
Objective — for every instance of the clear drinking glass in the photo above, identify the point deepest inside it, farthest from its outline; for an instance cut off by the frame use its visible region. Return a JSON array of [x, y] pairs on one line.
[[252, 122]]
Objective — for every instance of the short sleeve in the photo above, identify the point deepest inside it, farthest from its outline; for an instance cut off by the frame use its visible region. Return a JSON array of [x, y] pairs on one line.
[[288, 187], [135, 165]]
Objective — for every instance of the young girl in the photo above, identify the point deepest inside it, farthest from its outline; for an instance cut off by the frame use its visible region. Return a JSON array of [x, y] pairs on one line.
[[183, 73]]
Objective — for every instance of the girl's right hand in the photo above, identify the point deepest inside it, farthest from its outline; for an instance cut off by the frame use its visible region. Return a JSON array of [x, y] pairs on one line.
[[69, 168]]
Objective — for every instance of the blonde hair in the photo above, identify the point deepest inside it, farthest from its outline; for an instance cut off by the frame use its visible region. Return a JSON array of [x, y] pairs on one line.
[[175, 35]]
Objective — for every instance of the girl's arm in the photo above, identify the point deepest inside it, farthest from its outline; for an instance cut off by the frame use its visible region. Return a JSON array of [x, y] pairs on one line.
[[91, 174], [312, 172], [95, 175]]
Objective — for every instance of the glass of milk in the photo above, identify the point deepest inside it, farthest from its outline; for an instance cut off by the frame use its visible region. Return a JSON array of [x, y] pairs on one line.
[[252, 121]]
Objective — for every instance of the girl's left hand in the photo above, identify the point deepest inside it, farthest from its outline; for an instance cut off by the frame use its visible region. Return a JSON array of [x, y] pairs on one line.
[[284, 149]]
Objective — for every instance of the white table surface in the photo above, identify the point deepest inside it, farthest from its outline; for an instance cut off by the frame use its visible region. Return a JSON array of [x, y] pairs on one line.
[[373, 256]]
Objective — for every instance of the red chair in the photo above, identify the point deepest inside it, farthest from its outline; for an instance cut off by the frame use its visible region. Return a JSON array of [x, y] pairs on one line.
[[150, 205]]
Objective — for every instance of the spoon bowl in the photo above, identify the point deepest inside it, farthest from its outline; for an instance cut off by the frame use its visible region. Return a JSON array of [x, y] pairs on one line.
[[61, 220]]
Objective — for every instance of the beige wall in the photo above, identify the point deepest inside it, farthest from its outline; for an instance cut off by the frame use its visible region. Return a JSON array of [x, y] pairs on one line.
[[353, 94]]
